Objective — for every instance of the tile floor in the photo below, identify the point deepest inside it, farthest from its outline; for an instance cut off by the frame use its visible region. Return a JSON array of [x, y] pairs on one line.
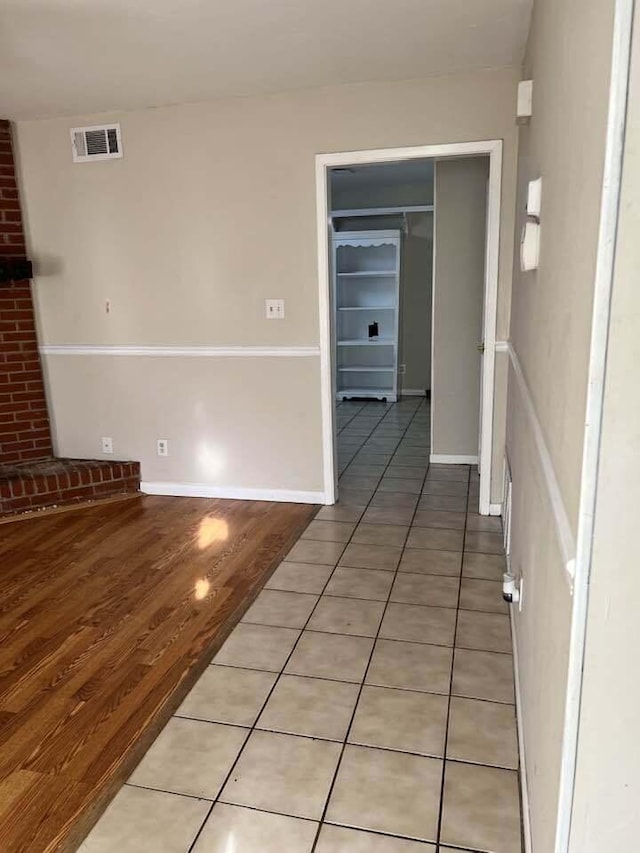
[[365, 703]]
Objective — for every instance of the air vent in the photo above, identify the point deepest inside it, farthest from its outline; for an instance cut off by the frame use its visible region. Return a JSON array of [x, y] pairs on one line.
[[101, 142]]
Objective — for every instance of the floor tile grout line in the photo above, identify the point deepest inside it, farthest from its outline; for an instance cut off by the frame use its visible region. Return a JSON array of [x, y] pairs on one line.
[[355, 415], [366, 438], [371, 636], [385, 686], [338, 824], [362, 683], [448, 718], [323, 739]]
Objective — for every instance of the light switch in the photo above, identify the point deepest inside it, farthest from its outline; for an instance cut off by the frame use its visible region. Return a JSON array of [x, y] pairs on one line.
[[274, 309], [534, 197]]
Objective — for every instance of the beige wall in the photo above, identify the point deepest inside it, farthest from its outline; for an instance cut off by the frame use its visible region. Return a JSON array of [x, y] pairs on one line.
[[206, 445], [458, 293], [417, 270], [212, 210], [568, 57], [605, 815]]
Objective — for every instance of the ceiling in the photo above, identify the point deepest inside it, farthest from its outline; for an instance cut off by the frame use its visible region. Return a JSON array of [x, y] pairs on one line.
[[60, 57]]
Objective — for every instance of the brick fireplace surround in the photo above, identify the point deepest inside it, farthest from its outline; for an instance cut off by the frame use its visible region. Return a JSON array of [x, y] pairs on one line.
[[30, 476]]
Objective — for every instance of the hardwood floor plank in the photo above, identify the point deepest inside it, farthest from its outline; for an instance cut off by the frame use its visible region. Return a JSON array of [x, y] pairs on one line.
[[108, 615]]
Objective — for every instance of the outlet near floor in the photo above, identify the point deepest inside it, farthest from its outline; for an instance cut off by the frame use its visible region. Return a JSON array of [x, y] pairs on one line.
[[163, 447]]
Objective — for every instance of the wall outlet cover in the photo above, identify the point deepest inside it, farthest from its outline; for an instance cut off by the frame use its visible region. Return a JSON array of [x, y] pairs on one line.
[[107, 444], [163, 447], [274, 309]]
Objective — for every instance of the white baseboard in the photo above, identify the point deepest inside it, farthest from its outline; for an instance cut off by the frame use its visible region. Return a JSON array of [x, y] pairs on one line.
[[524, 788], [448, 459], [495, 509], [205, 490], [413, 392]]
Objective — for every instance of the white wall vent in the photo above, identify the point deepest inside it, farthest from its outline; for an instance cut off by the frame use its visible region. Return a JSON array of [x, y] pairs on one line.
[[100, 142]]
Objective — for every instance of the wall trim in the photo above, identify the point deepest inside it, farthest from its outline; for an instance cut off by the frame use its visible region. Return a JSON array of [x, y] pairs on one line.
[[206, 490], [524, 788], [183, 352], [563, 527], [412, 392], [452, 459], [495, 509]]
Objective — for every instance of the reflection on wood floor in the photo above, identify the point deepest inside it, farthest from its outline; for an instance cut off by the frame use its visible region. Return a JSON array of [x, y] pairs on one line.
[[107, 617]]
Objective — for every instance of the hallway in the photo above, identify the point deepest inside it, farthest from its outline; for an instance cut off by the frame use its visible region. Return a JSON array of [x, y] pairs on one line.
[[366, 700]]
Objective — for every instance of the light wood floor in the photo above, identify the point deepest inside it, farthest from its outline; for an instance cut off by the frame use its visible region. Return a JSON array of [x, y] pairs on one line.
[[107, 617]]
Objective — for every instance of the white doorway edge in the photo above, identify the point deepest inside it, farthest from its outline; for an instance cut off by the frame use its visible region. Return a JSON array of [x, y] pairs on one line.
[[491, 148]]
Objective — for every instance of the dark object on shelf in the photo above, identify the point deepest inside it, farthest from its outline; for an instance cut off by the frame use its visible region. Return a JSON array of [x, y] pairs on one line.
[[15, 270], [373, 330]]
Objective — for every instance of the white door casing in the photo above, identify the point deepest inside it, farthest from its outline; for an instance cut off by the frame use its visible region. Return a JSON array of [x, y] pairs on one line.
[[325, 162]]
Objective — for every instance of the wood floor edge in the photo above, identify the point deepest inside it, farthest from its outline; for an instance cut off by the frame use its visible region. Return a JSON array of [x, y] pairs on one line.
[[55, 510]]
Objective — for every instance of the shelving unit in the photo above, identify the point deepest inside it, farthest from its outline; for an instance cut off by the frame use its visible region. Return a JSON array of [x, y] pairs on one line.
[[366, 267]]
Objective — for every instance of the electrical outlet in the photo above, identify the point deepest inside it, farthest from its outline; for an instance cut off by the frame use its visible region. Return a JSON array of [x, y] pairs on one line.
[[163, 447], [274, 309], [107, 444], [402, 369]]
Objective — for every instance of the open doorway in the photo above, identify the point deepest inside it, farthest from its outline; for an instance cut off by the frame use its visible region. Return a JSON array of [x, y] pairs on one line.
[[405, 328]]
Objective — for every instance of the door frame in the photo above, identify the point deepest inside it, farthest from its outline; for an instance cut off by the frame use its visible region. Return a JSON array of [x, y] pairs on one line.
[[324, 162]]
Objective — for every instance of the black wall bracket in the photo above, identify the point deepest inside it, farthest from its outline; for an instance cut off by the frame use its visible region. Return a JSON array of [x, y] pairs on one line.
[[15, 270]]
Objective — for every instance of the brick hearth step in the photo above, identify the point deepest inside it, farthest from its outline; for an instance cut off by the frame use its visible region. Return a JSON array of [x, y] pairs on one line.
[[56, 482]]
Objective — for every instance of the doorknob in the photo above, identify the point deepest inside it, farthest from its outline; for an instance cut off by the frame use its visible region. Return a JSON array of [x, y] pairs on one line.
[[480, 347]]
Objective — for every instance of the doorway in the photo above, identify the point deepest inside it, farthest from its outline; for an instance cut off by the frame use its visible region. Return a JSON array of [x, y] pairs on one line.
[[326, 164]]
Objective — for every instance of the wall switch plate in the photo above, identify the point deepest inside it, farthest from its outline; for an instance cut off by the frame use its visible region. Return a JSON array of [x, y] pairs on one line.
[[107, 444], [163, 447], [274, 309]]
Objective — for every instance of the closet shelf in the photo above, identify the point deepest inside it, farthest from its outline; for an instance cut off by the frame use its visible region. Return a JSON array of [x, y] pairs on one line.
[[373, 393], [368, 274], [367, 308], [362, 369], [366, 342]]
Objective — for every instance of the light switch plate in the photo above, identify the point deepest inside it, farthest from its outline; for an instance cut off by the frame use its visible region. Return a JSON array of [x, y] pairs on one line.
[[107, 444], [274, 309]]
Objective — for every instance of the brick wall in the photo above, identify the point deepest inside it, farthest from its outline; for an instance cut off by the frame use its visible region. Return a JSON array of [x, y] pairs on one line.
[[24, 422], [64, 481]]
